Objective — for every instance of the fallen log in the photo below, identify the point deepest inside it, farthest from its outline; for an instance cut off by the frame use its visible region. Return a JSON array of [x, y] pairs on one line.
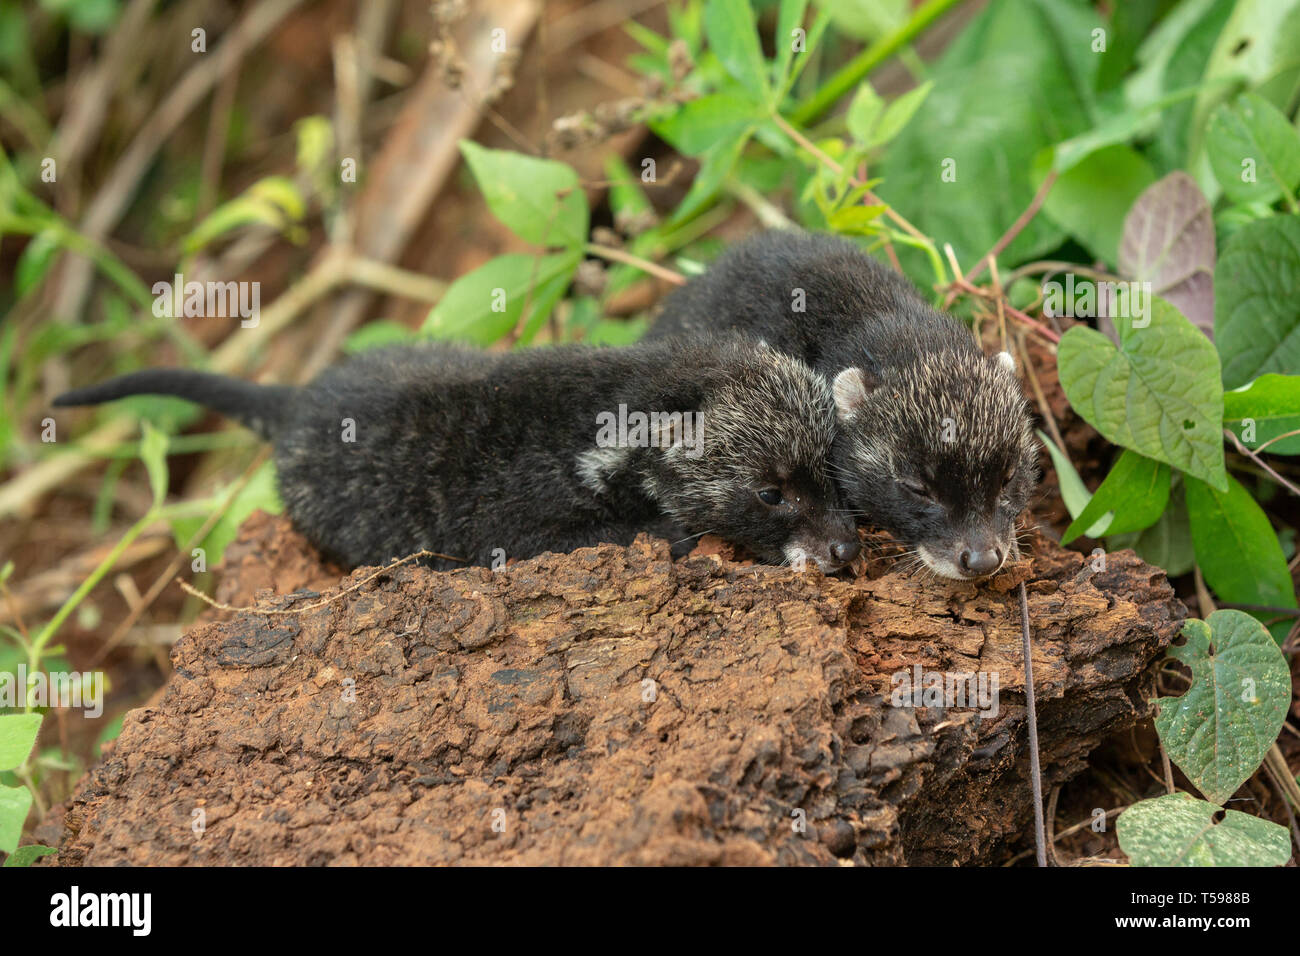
[[611, 706]]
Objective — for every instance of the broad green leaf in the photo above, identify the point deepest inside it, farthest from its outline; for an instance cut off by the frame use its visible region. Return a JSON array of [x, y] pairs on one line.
[[703, 123], [1237, 548], [856, 220], [483, 305], [14, 804], [17, 734], [1220, 728], [731, 28], [153, 452], [539, 199], [1158, 393], [1090, 198], [29, 854], [1264, 409], [1255, 49], [1253, 150], [1004, 90], [1174, 57], [1168, 240], [1179, 830], [1132, 497], [1256, 288]]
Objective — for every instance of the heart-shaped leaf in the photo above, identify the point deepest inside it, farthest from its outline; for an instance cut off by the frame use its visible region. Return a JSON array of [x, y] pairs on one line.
[[1220, 728], [1179, 830], [1158, 393], [1168, 241]]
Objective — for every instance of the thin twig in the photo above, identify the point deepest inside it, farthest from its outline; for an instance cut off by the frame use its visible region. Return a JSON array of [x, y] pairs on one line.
[[645, 265], [195, 592], [1031, 716], [1253, 456]]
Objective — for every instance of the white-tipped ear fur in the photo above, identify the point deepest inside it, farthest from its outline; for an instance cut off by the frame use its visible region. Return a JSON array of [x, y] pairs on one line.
[[850, 390], [1007, 361]]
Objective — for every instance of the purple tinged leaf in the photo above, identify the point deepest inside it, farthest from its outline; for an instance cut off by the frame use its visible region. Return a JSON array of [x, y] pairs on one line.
[[1169, 241]]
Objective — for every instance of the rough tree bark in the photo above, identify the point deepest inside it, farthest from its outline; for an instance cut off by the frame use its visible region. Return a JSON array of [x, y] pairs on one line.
[[612, 706]]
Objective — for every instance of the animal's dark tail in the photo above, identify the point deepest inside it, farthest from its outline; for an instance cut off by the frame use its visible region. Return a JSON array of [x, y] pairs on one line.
[[260, 407]]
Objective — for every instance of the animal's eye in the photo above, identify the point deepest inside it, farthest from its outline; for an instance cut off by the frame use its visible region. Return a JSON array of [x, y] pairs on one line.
[[917, 488], [770, 496]]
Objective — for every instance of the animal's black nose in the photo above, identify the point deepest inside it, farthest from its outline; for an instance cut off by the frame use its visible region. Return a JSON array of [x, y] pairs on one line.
[[981, 562], [845, 551]]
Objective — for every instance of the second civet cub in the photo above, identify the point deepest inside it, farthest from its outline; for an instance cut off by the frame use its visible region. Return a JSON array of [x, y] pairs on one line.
[[936, 443], [464, 452]]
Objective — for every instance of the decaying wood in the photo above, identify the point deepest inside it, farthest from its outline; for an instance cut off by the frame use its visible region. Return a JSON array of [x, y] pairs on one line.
[[612, 706]]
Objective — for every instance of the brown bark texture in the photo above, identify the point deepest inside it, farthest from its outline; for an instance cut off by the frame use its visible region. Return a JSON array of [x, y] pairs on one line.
[[611, 706]]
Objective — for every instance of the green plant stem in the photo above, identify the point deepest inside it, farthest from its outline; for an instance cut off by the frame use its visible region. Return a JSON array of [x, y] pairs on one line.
[[37, 648], [645, 265], [853, 72]]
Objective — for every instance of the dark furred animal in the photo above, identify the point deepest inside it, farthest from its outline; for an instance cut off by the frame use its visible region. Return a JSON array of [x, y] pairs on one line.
[[935, 443], [463, 452]]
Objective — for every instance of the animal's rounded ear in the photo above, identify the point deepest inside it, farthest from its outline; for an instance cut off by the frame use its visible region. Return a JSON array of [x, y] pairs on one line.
[[851, 388], [1007, 361]]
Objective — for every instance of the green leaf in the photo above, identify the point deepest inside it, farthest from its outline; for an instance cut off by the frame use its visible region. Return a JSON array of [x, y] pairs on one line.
[[1271, 406], [1253, 150], [715, 165], [1220, 728], [378, 334], [539, 199], [153, 452], [1073, 491], [865, 110], [1004, 90], [259, 493], [1257, 286], [730, 27], [703, 123], [483, 305], [35, 261], [1179, 830], [1089, 200], [27, 855], [14, 804], [1167, 543], [17, 735], [872, 123], [1237, 549], [789, 18], [1132, 497], [1158, 393]]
